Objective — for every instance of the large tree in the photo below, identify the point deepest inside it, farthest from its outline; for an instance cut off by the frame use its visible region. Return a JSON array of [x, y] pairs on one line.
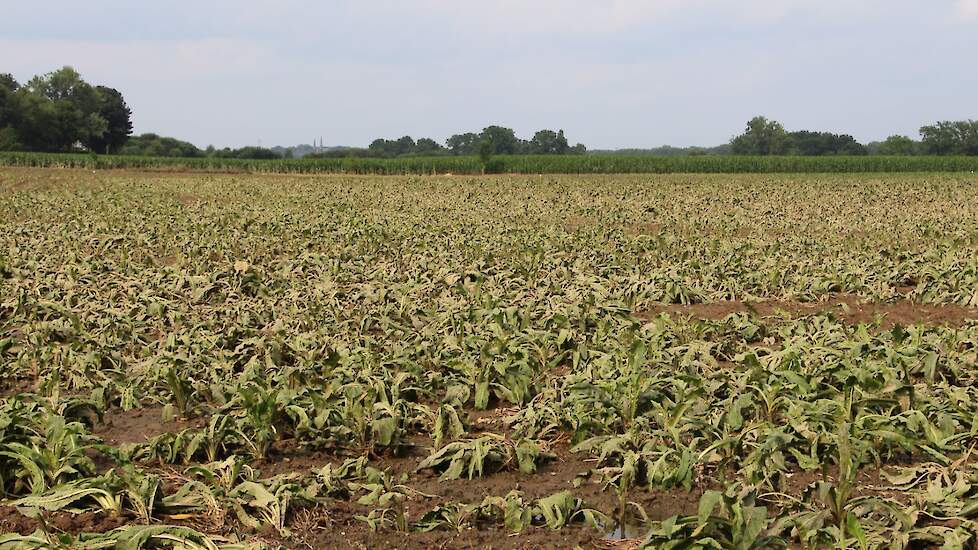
[[950, 138], [809, 143], [8, 89], [404, 146], [118, 118], [427, 146], [464, 144], [74, 105], [38, 126], [393, 147], [152, 145], [503, 140], [968, 134], [762, 137], [898, 145], [9, 138], [940, 138], [548, 142], [58, 111]]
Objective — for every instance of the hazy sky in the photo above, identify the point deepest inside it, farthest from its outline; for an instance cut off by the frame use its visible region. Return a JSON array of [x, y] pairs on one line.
[[611, 73]]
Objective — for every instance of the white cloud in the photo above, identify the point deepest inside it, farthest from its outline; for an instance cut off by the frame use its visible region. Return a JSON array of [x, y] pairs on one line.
[[146, 60], [966, 10], [610, 16], [610, 72]]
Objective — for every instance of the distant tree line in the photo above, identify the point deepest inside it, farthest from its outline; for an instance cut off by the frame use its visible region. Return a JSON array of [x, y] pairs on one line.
[[248, 152], [949, 138], [768, 137], [492, 140], [153, 145], [666, 151], [59, 112], [503, 141]]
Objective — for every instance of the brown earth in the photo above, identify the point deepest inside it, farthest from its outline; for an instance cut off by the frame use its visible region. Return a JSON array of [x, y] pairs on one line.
[[573, 223], [348, 535], [643, 228], [52, 175], [139, 425], [11, 386], [12, 521], [187, 198], [334, 525], [847, 308]]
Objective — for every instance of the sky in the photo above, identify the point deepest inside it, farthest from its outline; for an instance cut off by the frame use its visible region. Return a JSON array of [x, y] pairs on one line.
[[611, 73]]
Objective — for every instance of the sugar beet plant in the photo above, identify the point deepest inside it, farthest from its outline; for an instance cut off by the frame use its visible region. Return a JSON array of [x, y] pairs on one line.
[[206, 361]]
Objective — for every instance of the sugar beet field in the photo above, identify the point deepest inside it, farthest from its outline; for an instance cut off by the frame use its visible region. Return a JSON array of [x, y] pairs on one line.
[[197, 360]]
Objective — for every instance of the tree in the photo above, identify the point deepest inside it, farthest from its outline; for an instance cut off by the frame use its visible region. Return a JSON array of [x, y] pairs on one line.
[[403, 146], [8, 108], [36, 123], [152, 145], [252, 152], [548, 142], [503, 140], [485, 152], [762, 137], [8, 82], [380, 147], [427, 146], [968, 134], [940, 138], [72, 104], [247, 152], [9, 137], [823, 143], [464, 144], [393, 148], [898, 145], [118, 117], [950, 138]]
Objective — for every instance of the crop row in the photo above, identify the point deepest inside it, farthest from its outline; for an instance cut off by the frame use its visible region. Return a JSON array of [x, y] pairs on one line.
[[516, 164], [416, 357]]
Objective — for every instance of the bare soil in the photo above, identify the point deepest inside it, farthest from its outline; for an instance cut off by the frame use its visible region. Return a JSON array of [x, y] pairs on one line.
[[139, 425], [11, 386], [644, 228], [12, 521], [334, 525], [338, 528]]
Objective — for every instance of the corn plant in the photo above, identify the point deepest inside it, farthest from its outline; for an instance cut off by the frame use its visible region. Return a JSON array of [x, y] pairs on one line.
[[484, 455]]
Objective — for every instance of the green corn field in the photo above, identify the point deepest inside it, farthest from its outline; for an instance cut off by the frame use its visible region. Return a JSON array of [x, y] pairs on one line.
[[517, 164]]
